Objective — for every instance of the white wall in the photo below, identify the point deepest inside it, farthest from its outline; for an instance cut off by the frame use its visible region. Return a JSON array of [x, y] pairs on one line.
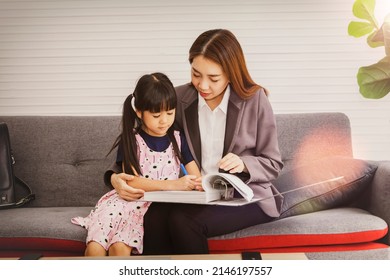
[[83, 57]]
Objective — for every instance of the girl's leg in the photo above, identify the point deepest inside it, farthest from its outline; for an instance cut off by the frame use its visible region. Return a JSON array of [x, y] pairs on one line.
[[94, 249], [119, 249], [191, 225]]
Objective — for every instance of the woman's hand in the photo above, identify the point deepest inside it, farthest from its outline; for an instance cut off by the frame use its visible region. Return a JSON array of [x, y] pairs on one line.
[[232, 163], [120, 183]]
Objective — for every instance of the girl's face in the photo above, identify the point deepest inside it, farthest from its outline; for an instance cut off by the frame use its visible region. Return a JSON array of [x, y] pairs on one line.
[[157, 124], [209, 79]]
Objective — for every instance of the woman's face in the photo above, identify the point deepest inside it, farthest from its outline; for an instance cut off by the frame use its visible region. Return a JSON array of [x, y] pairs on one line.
[[209, 79]]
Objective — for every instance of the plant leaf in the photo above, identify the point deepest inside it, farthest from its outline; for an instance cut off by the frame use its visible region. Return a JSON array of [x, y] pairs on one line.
[[376, 39], [386, 34], [374, 80], [359, 28], [364, 9], [385, 59]]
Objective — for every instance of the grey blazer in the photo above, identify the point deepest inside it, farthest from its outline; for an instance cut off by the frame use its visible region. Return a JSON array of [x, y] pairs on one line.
[[250, 133]]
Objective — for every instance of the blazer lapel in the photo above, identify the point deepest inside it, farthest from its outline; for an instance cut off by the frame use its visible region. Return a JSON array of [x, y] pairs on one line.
[[233, 121], [192, 124]]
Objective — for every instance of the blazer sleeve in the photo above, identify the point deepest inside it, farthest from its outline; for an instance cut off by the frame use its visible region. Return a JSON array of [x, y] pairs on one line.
[[265, 163], [114, 168]]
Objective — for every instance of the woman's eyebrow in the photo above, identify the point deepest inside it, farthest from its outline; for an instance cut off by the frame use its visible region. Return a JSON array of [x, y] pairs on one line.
[[210, 75]]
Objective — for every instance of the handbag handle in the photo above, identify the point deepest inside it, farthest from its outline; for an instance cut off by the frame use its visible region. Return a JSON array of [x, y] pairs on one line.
[[29, 197]]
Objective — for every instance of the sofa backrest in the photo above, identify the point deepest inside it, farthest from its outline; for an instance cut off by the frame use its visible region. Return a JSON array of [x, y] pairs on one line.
[[309, 136], [63, 158]]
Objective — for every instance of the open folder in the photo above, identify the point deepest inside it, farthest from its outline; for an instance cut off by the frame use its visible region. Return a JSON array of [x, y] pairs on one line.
[[218, 190]]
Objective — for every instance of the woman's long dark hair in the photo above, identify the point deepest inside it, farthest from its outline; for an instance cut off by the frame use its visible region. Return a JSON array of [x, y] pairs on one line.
[[154, 93], [222, 47]]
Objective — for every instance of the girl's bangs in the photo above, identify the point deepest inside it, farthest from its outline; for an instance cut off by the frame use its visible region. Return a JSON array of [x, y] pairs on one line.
[[163, 101]]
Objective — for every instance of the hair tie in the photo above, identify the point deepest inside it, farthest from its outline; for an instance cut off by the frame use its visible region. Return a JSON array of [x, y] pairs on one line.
[[133, 103]]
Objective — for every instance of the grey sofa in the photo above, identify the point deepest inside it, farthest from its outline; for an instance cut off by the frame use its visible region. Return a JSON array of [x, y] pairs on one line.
[[63, 159]]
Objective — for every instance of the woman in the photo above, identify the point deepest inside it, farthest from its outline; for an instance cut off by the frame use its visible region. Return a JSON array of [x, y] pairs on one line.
[[230, 126]]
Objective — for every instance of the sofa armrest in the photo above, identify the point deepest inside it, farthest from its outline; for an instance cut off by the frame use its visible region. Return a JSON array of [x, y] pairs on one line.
[[379, 201]]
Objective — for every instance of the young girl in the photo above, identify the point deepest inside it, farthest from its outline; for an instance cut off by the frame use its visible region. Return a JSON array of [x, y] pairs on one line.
[[149, 149]]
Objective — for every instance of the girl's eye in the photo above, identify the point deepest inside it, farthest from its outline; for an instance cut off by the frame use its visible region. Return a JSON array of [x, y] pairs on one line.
[[171, 112], [214, 81], [156, 116], [196, 75]]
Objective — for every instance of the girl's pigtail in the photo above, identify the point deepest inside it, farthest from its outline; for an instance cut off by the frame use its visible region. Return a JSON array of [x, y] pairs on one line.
[[176, 148], [130, 126]]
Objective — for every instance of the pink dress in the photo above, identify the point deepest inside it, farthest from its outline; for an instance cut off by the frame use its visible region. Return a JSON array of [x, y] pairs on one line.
[[116, 220]]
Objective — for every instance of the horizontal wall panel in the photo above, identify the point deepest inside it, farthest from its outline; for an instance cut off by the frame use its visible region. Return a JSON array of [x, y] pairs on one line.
[[68, 57]]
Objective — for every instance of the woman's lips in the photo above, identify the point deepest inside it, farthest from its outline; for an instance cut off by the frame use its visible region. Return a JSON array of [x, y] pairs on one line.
[[203, 94]]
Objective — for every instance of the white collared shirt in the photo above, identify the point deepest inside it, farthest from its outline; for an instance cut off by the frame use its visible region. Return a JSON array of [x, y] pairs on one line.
[[212, 124]]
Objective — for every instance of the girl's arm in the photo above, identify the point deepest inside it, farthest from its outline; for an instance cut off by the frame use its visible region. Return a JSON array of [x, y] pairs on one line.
[[193, 169], [185, 183]]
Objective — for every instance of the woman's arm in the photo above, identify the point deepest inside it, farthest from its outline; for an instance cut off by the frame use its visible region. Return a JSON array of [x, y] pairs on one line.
[[265, 163], [119, 182], [255, 150], [114, 178]]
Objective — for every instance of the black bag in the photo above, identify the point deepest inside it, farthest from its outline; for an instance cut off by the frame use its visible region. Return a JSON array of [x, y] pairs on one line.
[[8, 181]]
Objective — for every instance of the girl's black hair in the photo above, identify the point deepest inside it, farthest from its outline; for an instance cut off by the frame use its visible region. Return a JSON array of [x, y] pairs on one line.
[[154, 93]]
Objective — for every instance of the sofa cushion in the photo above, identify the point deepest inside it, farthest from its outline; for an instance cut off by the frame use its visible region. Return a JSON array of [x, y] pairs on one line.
[[50, 230], [323, 184], [43, 229], [345, 227]]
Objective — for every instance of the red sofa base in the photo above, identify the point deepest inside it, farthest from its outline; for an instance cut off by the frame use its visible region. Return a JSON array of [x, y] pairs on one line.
[[18, 247]]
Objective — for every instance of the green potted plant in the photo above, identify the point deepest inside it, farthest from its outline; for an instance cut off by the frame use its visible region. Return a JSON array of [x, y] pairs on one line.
[[373, 80]]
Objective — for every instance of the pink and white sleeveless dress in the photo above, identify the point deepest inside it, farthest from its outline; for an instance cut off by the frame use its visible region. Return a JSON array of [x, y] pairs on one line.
[[116, 220]]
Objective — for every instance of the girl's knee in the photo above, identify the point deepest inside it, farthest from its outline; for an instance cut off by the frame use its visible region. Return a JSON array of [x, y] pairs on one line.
[[94, 249], [119, 249]]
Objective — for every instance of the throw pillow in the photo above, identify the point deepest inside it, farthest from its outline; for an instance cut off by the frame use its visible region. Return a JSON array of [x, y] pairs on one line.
[[323, 184]]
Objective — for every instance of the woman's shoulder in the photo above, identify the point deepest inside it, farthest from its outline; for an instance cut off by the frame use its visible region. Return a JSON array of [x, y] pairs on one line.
[[258, 97], [184, 91], [255, 97], [256, 104], [259, 93], [183, 88]]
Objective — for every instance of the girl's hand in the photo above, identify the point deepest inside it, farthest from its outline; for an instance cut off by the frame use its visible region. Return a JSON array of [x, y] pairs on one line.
[[186, 183], [232, 163], [198, 186]]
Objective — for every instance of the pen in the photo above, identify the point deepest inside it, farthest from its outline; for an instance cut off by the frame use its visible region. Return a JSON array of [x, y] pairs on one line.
[[183, 169]]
